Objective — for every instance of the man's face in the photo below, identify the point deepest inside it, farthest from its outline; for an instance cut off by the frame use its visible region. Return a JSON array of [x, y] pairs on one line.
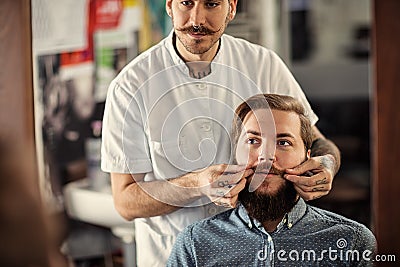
[[269, 156], [212, 17]]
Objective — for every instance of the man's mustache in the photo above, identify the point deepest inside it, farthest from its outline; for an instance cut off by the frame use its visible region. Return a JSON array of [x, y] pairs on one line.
[[199, 29], [263, 169], [266, 168]]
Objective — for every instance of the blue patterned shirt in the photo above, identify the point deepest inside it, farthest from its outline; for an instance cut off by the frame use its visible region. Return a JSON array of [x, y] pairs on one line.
[[307, 236]]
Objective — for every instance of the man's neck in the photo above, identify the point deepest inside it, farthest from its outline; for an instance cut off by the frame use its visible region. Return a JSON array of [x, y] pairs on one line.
[[271, 226], [199, 70]]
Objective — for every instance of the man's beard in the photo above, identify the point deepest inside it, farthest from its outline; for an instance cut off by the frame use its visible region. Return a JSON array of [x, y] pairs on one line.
[[265, 206]]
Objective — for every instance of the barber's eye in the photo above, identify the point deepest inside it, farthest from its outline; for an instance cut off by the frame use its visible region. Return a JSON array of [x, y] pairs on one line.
[[212, 4]]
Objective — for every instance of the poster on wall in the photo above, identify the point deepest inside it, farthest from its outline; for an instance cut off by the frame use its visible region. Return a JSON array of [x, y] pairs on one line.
[[71, 77], [52, 22]]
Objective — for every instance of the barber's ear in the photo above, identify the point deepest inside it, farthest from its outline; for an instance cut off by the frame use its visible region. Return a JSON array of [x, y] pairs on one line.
[[232, 9], [168, 7]]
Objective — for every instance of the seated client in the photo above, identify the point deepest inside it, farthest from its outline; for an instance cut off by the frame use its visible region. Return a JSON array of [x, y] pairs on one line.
[[272, 225]]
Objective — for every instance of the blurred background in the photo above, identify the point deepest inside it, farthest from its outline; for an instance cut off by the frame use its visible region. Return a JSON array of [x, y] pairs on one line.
[[79, 46]]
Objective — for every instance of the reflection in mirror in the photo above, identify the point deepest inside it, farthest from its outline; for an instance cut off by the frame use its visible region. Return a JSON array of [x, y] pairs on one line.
[[324, 42]]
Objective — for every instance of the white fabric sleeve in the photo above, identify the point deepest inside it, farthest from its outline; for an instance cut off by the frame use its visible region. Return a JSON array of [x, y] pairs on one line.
[[124, 142], [283, 82]]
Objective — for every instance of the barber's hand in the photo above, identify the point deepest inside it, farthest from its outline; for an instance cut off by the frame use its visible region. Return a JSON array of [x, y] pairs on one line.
[[313, 178], [222, 183]]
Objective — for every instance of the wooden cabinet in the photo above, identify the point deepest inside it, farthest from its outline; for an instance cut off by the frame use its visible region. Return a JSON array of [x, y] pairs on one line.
[[386, 126], [16, 86]]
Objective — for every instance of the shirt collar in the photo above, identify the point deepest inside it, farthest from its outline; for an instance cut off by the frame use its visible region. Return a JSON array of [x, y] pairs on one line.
[[178, 60], [296, 213], [289, 220], [169, 44]]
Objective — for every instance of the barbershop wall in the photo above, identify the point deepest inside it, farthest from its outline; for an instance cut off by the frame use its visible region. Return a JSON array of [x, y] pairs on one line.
[[330, 57]]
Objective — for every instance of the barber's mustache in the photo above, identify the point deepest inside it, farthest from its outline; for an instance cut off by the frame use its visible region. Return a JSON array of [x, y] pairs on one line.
[[199, 29]]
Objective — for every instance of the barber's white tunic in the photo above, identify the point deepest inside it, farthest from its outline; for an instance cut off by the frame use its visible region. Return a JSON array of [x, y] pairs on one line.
[[160, 121]]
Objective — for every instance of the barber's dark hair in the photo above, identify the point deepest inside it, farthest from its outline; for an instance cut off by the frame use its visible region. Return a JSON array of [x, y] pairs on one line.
[[271, 101]]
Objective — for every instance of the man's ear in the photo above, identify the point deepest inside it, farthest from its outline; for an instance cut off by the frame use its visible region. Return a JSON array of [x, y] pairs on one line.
[[308, 153], [232, 9], [168, 7]]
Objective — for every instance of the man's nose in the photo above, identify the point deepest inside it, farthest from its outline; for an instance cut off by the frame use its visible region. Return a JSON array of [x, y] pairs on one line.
[[197, 15], [266, 154]]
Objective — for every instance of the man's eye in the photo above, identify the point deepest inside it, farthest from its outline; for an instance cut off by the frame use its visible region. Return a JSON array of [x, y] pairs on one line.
[[186, 3], [284, 143], [252, 141]]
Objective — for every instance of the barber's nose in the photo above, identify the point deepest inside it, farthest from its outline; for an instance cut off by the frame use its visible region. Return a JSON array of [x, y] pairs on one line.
[[197, 16]]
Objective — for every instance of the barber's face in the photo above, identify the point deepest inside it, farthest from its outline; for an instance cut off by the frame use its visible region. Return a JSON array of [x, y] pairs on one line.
[[270, 152], [212, 17]]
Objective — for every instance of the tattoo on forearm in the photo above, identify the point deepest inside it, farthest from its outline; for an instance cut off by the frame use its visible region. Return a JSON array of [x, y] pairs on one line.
[[328, 163], [321, 147]]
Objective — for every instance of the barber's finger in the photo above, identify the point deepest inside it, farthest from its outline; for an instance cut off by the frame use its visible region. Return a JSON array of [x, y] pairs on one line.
[[227, 191], [309, 165], [235, 190], [233, 201], [231, 179], [302, 181], [227, 202], [320, 178], [307, 196], [229, 169], [218, 192]]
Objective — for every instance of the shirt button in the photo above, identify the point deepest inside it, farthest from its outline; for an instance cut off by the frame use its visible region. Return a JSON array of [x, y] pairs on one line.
[[206, 127], [212, 210], [202, 86], [290, 225]]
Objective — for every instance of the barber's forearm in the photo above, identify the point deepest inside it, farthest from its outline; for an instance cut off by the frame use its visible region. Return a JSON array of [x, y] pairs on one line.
[[322, 146], [147, 199]]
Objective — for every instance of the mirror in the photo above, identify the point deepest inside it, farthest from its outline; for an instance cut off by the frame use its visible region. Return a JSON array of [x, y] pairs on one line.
[[324, 42]]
